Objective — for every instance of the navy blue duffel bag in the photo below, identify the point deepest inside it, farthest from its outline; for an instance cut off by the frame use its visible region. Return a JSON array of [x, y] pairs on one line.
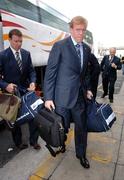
[[30, 106], [100, 117]]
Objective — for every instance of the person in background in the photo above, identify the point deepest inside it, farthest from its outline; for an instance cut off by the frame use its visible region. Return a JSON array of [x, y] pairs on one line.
[[122, 61], [66, 86], [94, 69], [17, 72], [109, 66]]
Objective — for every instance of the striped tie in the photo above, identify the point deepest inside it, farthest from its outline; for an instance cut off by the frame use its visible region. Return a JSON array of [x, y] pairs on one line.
[[78, 50], [79, 53], [19, 61]]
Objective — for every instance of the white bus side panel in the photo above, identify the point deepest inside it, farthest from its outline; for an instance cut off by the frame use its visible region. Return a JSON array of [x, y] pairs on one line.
[[37, 38]]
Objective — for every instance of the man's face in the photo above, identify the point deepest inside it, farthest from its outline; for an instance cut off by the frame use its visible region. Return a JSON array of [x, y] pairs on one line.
[[16, 42], [112, 51], [78, 32]]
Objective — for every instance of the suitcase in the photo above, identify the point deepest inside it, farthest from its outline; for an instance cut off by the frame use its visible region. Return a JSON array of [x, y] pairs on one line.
[[51, 130]]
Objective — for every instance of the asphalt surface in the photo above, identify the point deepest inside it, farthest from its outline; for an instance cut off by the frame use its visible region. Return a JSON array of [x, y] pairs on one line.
[[118, 84]]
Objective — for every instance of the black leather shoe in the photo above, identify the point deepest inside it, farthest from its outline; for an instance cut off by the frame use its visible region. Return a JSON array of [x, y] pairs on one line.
[[84, 162], [22, 146], [36, 146], [111, 100]]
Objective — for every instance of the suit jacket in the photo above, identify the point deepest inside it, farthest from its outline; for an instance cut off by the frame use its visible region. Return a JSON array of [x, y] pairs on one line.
[[10, 71], [107, 70], [64, 76]]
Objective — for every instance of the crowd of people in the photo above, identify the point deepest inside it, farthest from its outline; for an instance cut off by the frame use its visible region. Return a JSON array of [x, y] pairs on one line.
[[71, 77]]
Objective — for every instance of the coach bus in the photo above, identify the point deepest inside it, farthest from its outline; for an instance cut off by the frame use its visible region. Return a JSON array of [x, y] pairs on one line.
[[41, 26]]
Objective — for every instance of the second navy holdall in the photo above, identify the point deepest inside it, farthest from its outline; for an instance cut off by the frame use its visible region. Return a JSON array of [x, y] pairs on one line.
[[100, 117]]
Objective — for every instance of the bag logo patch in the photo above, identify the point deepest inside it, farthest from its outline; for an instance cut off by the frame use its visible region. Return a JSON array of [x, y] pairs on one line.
[[36, 104]]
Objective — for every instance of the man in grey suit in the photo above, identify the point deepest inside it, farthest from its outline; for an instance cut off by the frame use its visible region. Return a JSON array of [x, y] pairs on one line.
[[66, 83]]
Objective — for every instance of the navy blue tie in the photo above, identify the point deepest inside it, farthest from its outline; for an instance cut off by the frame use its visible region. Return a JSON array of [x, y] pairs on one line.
[[78, 50]]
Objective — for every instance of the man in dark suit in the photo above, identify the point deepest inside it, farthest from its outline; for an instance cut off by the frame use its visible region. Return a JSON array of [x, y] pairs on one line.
[[17, 71], [109, 66], [66, 86]]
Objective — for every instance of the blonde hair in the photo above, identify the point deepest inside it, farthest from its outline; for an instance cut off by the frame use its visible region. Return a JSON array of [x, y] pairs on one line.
[[78, 20]]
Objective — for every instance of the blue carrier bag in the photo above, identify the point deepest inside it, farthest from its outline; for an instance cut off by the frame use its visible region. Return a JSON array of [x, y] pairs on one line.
[[30, 106], [100, 117]]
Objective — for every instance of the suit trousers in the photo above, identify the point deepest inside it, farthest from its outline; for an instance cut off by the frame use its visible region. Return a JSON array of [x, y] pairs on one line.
[[17, 134], [105, 82], [78, 115], [108, 85]]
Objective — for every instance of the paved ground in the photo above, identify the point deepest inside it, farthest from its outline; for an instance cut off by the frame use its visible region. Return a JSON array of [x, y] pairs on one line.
[[105, 152], [118, 84], [7, 147]]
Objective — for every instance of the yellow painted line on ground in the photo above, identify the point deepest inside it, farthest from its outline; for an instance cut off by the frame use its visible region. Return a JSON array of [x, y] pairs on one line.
[[100, 158], [33, 177], [45, 168], [50, 162], [101, 138]]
